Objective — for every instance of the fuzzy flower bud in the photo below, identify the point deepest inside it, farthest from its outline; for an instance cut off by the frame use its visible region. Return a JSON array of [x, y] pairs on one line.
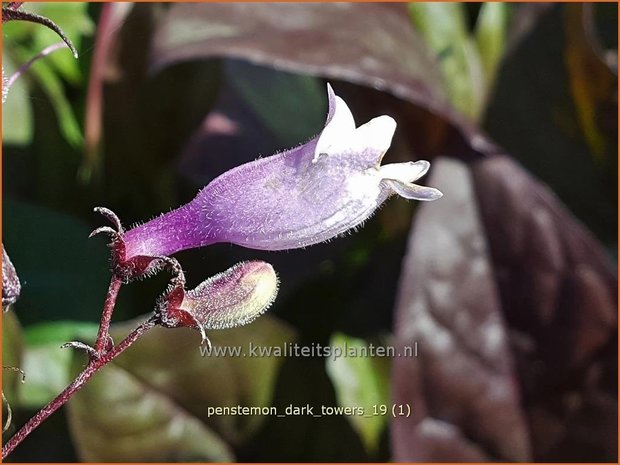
[[229, 299]]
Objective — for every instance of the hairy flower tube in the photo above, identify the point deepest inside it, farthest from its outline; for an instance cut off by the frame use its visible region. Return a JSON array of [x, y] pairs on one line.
[[229, 299], [296, 198]]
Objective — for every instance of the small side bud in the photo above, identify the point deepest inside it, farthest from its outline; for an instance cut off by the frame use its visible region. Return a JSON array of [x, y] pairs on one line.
[[229, 299]]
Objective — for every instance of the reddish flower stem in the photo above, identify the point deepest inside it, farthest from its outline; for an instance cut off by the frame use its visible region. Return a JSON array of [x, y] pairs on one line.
[[11, 14], [94, 365], [26, 66], [106, 317]]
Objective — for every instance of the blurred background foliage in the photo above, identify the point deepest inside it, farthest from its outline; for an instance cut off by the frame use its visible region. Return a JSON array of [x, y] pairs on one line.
[[165, 97]]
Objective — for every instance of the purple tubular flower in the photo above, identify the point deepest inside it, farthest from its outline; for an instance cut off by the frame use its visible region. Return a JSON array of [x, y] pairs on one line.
[[296, 198]]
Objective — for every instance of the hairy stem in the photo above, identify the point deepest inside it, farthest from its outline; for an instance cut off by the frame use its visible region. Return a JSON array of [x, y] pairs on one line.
[[106, 317], [10, 14], [26, 66], [94, 365]]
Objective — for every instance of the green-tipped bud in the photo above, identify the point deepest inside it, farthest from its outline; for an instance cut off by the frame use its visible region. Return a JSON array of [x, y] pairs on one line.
[[229, 299]]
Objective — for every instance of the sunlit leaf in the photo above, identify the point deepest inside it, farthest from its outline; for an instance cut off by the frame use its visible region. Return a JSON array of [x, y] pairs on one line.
[[75, 22], [443, 26], [361, 382], [48, 367], [52, 85], [25, 39], [558, 290], [12, 356], [491, 36], [16, 111]]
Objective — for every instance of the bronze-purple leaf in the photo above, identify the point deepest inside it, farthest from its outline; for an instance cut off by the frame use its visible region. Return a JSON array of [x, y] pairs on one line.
[[465, 402], [513, 303], [558, 291]]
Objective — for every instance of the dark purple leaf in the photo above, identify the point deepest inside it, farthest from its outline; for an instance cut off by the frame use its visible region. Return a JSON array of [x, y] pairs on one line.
[[373, 45], [357, 43], [513, 304], [462, 391], [558, 293]]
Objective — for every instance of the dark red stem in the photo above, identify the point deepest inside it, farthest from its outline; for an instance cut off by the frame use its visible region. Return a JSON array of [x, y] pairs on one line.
[[94, 95], [10, 14], [106, 317], [94, 365]]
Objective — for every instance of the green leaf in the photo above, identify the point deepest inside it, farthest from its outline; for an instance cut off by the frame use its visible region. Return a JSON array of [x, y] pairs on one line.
[[491, 35], [59, 332], [16, 111], [48, 367], [64, 274], [73, 19], [25, 40], [361, 382], [277, 98], [443, 26], [151, 403], [119, 418], [12, 350], [52, 85]]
